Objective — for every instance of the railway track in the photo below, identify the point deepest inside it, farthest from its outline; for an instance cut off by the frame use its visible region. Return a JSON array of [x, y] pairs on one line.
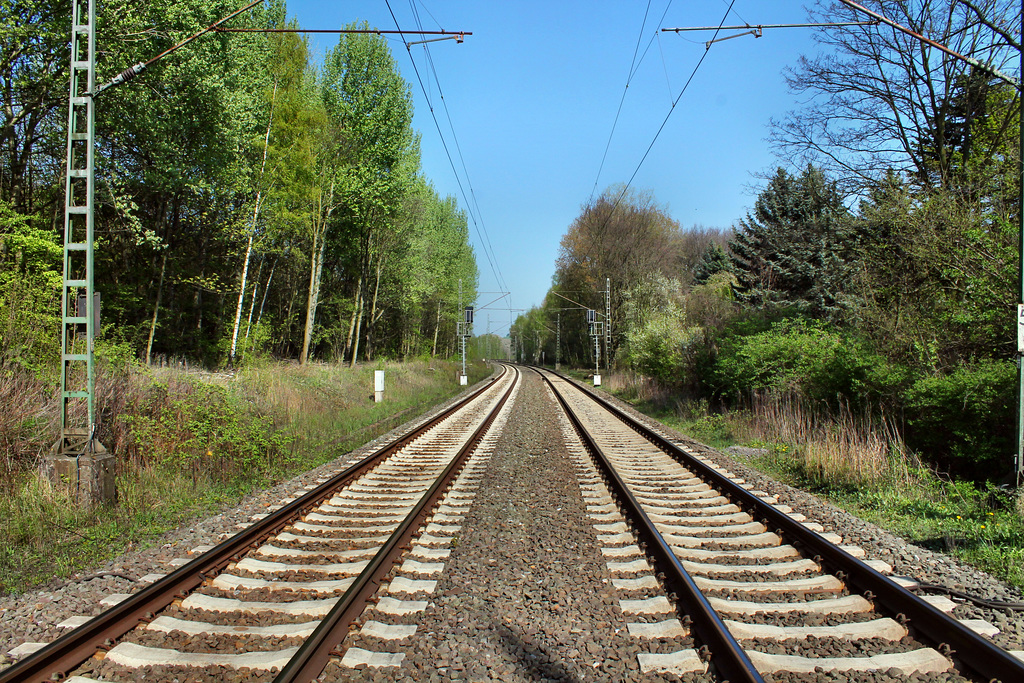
[[367, 575], [761, 590], [277, 600]]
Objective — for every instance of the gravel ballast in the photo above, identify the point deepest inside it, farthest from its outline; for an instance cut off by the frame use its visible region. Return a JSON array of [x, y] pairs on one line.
[[526, 593]]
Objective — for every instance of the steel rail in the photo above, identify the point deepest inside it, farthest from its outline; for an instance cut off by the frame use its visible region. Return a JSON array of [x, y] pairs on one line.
[[63, 655], [727, 655], [314, 654], [975, 653]]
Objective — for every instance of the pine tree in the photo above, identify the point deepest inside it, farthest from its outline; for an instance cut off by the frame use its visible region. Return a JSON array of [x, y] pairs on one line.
[[714, 260], [796, 248]]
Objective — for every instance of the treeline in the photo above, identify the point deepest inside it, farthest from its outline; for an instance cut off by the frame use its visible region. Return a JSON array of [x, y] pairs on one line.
[[878, 273], [248, 201]]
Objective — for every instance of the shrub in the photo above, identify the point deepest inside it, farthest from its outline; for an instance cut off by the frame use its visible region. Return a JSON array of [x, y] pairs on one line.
[[806, 359], [196, 426], [657, 348], [965, 418]]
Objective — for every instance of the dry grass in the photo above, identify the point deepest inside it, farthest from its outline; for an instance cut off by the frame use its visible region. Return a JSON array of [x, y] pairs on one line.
[[29, 419], [842, 448], [634, 387], [830, 448]]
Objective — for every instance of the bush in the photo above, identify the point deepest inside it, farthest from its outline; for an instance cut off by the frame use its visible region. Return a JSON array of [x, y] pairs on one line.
[[805, 359], [191, 425], [965, 418], [657, 349]]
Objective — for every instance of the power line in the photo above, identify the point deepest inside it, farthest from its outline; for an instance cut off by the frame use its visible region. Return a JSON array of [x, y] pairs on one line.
[[458, 148], [465, 170], [634, 66], [485, 243], [676, 101], [625, 188]]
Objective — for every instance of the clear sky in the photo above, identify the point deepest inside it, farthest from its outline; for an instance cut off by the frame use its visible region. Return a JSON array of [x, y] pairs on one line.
[[532, 96]]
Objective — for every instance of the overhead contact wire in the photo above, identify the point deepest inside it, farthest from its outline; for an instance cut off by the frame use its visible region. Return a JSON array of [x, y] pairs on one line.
[[485, 242], [686, 85], [615, 122], [465, 169]]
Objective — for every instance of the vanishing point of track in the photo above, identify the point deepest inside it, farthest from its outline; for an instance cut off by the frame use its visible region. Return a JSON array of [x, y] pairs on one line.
[[724, 582]]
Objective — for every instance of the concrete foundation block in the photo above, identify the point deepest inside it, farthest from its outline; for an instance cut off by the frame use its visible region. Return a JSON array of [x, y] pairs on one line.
[[91, 476]]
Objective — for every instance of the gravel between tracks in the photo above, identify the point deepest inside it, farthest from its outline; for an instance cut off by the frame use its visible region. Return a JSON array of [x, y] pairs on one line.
[[525, 595]]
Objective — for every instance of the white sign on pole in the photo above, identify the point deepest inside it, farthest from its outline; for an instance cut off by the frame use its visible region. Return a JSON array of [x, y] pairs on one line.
[[1020, 328]]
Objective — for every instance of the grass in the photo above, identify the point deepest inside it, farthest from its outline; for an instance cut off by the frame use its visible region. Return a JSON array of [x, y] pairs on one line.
[[189, 445], [860, 465], [49, 536]]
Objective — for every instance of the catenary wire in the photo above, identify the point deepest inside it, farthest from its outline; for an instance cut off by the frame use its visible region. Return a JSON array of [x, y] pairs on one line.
[[675, 102], [625, 188], [485, 243], [465, 170], [618, 112]]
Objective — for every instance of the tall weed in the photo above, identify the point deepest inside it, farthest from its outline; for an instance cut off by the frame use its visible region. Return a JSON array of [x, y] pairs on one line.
[[837, 447]]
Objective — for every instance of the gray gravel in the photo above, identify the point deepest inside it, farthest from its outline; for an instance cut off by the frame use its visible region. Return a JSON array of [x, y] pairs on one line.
[[525, 594]]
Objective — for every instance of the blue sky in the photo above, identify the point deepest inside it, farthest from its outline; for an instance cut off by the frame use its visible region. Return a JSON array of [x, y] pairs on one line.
[[532, 95]]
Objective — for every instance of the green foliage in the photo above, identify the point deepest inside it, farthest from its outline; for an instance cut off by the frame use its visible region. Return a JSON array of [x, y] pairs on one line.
[[197, 426], [657, 339], [713, 261], [794, 249], [657, 348], [30, 279], [235, 150], [938, 275], [965, 417], [808, 359], [978, 524]]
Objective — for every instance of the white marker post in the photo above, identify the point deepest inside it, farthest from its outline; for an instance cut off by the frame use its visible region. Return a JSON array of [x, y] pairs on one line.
[[378, 386]]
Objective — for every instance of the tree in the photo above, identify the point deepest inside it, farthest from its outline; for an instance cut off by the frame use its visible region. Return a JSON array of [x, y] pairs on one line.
[[174, 167], [622, 235], [714, 260], [364, 93], [236, 184], [936, 281], [439, 256], [796, 248], [34, 60], [879, 99]]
